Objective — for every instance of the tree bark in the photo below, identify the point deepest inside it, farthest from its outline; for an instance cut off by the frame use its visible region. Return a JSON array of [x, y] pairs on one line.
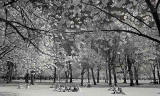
[[98, 75], [106, 79], [66, 73], [70, 71], [125, 71], [94, 81], [154, 13], [154, 74], [10, 70], [130, 71], [136, 75], [88, 76], [55, 75], [114, 75], [110, 75], [158, 75], [124, 76], [82, 75]]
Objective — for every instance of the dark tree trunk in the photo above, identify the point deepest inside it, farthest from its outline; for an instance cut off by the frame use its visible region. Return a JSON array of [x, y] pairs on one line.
[[124, 79], [125, 71], [106, 79], [114, 75], [40, 77], [94, 81], [110, 75], [124, 76], [26, 77], [136, 75], [98, 75], [32, 78], [55, 75], [154, 74], [158, 74], [66, 73], [82, 74], [10, 70], [130, 71], [70, 71], [88, 76], [154, 14]]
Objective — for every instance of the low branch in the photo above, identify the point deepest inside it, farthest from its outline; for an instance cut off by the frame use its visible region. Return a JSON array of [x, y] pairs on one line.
[[14, 27], [35, 46], [24, 38], [6, 52], [126, 31], [138, 19]]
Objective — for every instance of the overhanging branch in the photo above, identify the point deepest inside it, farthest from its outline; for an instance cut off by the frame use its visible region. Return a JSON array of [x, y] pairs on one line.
[[107, 13], [126, 31]]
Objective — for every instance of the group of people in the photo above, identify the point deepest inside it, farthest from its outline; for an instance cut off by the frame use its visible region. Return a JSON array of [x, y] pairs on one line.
[[30, 76], [65, 88], [116, 90]]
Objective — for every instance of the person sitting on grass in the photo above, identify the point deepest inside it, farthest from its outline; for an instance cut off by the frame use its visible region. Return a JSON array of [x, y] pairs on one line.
[[63, 88], [68, 88], [58, 88], [75, 89]]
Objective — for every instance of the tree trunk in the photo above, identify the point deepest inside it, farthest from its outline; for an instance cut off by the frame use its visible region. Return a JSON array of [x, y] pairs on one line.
[[124, 79], [125, 71], [124, 76], [55, 75], [66, 73], [40, 77], [106, 79], [98, 75], [70, 71], [82, 74], [110, 75], [154, 74], [130, 71], [114, 75], [136, 75], [32, 78], [94, 81], [158, 74], [154, 14], [26, 77], [88, 76], [10, 70]]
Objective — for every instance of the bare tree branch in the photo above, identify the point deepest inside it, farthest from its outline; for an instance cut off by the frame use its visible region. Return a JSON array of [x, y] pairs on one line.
[[6, 52], [126, 31], [9, 3], [157, 4], [154, 14], [138, 19], [113, 16], [15, 28]]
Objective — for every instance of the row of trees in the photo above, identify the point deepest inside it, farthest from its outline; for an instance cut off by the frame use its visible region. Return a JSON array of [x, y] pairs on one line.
[[114, 36]]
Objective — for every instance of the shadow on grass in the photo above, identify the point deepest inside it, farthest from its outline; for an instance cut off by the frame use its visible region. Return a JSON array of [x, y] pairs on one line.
[[8, 94]]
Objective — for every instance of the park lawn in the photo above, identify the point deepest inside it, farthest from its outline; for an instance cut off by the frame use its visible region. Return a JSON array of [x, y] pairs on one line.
[[45, 90]]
